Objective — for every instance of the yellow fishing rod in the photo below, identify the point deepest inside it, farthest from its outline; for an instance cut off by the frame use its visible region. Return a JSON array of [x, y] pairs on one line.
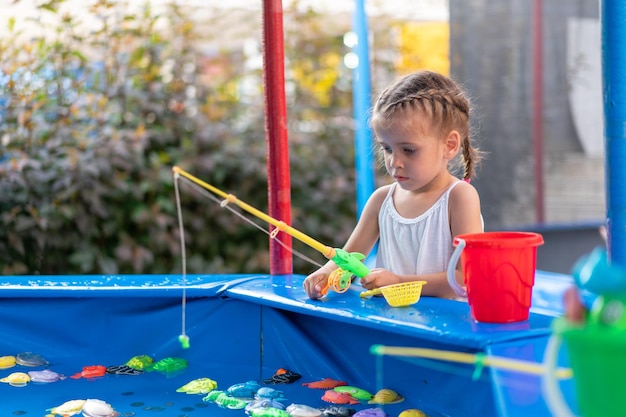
[[349, 263], [479, 359]]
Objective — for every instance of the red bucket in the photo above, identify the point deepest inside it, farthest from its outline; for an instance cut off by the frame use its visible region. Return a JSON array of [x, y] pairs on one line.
[[498, 272]]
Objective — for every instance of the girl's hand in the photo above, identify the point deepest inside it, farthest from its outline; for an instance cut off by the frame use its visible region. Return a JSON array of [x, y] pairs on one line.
[[315, 282], [379, 277]]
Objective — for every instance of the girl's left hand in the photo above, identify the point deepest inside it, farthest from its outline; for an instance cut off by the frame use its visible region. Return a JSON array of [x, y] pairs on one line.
[[379, 277]]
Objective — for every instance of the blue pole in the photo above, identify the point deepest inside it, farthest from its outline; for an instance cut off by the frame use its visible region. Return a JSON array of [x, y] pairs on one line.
[[613, 15], [361, 103]]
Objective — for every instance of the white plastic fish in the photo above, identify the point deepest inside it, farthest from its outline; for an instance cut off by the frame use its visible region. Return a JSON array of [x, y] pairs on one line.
[[98, 408], [302, 410]]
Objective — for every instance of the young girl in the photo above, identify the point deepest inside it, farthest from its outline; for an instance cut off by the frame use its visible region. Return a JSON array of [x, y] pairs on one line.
[[421, 123]]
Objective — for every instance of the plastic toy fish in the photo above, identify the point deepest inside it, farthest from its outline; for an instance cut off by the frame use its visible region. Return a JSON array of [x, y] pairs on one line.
[[412, 412], [123, 370], [326, 384], [68, 408], [98, 408], [212, 396], [7, 362], [269, 393], [226, 401], [198, 386], [337, 411], [268, 412], [302, 410], [169, 365], [282, 376], [335, 397], [264, 403], [371, 412], [358, 393], [141, 362], [30, 359], [45, 376], [386, 396], [91, 372], [17, 379], [244, 389]]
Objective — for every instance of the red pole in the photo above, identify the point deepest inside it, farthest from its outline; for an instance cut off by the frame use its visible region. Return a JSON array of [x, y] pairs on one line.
[[277, 145], [538, 108]]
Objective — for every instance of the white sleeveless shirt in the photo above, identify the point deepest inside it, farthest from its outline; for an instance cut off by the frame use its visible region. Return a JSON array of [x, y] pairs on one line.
[[414, 246]]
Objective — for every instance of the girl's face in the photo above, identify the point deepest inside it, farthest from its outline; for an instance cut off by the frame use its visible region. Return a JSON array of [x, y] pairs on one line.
[[416, 155]]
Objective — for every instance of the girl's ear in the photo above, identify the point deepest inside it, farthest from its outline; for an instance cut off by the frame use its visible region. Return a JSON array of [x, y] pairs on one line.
[[453, 144]]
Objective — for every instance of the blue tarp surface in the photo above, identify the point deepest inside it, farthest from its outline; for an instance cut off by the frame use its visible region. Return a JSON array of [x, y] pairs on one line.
[[246, 327]]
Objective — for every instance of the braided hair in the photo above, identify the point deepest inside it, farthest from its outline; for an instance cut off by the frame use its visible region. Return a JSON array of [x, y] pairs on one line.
[[440, 99]]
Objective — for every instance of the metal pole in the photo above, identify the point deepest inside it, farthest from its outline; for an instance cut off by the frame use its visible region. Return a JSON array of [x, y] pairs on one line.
[[538, 108], [278, 177], [361, 103], [613, 19]]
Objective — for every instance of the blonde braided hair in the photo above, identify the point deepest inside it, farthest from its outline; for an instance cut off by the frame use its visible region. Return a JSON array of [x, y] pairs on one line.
[[440, 99]]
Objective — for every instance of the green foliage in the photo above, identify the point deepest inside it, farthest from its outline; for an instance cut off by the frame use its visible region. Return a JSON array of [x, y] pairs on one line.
[[91, 125]]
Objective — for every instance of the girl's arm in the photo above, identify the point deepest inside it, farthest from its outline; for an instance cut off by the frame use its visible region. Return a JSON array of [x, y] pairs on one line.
[[362, 240]]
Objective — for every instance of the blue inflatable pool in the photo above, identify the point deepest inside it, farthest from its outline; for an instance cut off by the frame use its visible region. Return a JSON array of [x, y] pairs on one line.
[[245, 328]]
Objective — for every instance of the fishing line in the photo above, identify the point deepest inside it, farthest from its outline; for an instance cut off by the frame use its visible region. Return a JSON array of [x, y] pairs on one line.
[[273, 234], [183, 338]]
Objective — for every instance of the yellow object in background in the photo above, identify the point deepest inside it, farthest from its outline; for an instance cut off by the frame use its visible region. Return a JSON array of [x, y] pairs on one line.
[[424, 45]]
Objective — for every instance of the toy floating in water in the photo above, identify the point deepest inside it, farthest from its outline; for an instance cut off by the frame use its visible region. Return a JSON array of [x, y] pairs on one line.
[[30, 359], [17, 379], [198, 386], [412, 412], [371, 412], [302, 410], [45, 376], [335, 397], [244, 389], [337, 411], [386, 396], [268, 412], [7, 362], [264, 403], [212, 396], [123, 370], [282, 376], [326, 383], [68, 408], [140, 362], [169, 365], [91, 372], [270, 394], [226, 401], [98, 408], [358, 393], [349, 263]]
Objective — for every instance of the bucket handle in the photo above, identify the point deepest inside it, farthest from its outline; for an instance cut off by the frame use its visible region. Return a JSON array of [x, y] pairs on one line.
[[454, 260], [551, 391]]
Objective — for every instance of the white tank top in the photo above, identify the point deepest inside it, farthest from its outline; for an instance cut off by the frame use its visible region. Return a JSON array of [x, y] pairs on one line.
[[414, 246]]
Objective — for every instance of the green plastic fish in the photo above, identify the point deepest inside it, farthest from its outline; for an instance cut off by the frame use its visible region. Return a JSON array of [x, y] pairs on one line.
[[140, 362], [212, 396], [226, 401], [169, 365], [198, 386], [358, 393]]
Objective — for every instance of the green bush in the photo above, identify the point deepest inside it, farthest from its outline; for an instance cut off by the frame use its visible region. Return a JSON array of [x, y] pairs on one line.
[[91, 126]]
